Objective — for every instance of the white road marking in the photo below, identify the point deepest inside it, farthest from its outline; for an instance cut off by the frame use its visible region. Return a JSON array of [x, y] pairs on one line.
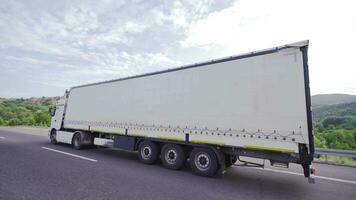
[[69, 154], [317, 177], [1, 137]]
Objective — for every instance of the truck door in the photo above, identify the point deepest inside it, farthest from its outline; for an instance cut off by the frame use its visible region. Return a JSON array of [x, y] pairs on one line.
[[57, 118]]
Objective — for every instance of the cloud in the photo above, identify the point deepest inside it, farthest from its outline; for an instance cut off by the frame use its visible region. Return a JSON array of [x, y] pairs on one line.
[[250, 25], [53, 45], [74, 43]]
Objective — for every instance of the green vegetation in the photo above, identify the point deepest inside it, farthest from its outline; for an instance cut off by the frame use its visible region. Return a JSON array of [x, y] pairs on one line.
[[336, 139], [339, 110], [335, 126], [337, 159], [32, 112]]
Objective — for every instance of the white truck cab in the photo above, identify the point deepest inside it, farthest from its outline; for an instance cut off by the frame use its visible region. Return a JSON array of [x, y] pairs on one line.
[[57, 113], [58, 134]]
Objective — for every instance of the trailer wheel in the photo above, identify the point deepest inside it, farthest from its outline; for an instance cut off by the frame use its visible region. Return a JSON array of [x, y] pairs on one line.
[[53, 136], [77, 141], [230, 160], [203, 162], [173, 156], [148, 152]]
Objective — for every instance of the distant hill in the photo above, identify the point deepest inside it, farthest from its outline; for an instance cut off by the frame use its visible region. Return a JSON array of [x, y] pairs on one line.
[[331, 99], [31, 101], [337, 110], [334, 120], [333, 105]]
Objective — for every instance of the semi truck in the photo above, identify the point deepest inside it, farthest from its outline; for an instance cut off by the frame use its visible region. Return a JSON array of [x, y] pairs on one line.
[[208, 114]]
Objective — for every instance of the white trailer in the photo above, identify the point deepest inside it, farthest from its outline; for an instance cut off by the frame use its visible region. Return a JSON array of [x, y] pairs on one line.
[[255, 105]]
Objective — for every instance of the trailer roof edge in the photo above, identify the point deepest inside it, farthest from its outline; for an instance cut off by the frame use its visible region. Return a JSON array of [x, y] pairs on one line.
[[298, 44]]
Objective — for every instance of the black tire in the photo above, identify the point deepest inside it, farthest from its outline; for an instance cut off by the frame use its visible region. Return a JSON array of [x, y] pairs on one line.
[[148, 152], [230, 160], [203, 162], [53, 136], [77, 141], [173, 156]]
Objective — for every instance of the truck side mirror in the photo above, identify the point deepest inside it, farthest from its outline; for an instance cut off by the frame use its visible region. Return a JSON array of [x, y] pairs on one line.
[[52, 111]]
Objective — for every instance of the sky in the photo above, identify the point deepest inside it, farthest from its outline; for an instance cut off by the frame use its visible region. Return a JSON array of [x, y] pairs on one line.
[[49, 46]]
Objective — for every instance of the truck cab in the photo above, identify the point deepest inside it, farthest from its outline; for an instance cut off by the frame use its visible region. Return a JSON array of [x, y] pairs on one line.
[[57, 113]]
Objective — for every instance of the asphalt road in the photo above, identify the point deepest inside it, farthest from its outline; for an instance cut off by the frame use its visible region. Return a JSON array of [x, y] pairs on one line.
[[32, 168]]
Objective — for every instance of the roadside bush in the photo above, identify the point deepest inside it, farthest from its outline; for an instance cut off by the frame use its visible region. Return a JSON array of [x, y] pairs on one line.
[[340, 139]]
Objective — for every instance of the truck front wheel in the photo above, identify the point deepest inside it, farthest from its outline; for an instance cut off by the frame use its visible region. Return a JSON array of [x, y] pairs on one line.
[[173, 156], [53, 136], [203, 162], [148, 152]]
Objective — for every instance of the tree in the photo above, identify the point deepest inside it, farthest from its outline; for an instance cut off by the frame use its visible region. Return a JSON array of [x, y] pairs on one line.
[[319, 140], [333, 122], [345, 122], [42, 118], [2, 122], [30, 121], [14, 122], [340, 139]]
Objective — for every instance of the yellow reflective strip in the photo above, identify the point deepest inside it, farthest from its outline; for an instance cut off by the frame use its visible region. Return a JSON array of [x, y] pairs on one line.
[[269, 148], [117, 133], [170, 138], [137, 135], [207, 142]]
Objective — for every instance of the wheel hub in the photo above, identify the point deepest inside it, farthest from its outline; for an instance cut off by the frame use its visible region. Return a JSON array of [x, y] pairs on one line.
[[171, 156], [202, 162], [146, 152]]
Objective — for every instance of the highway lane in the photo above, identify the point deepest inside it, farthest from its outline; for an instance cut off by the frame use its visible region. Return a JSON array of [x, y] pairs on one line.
[[29, 171]]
